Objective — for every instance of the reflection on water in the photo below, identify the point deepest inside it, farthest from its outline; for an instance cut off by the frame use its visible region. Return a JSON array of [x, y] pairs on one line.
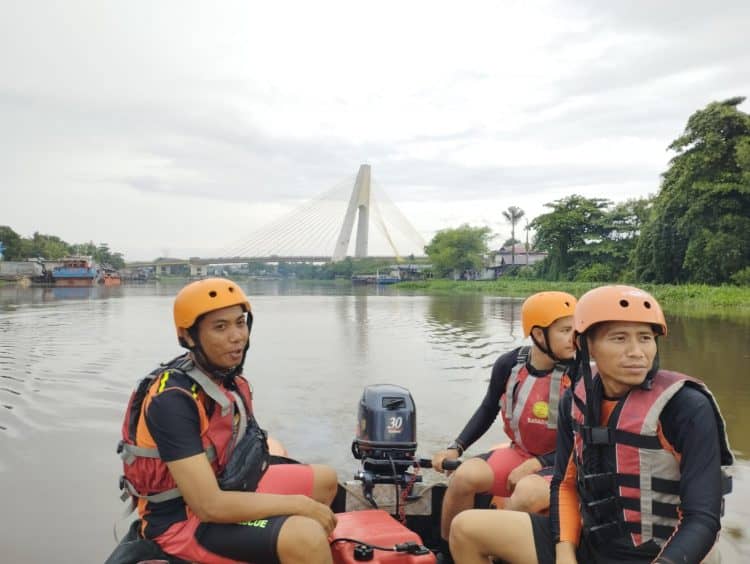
[[68, 361], [716, 351]]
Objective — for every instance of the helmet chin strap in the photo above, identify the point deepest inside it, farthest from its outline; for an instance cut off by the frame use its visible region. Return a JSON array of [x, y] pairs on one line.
[[648, 381], [547, 350]]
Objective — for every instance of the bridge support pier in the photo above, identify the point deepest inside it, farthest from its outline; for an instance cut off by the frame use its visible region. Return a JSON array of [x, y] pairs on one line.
[[359, 202]]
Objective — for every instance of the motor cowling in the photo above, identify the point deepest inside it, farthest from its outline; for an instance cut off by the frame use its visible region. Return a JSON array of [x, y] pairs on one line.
[[386, 428]]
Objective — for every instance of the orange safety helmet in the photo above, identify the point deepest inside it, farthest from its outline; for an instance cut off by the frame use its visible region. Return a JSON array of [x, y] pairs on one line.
[[618, 303], [544, 308], [210, 294]]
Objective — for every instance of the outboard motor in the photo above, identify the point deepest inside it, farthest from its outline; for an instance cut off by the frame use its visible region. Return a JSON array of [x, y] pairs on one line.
[[386, 438]]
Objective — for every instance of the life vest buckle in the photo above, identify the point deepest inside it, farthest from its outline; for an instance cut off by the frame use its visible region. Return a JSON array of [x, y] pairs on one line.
[[120, 446], [603, 509], [602, 482], [600, 436], [602, 535], [726, 482]]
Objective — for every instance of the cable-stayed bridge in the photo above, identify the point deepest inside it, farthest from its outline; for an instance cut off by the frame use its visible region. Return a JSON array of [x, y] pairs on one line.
[[323, 228]]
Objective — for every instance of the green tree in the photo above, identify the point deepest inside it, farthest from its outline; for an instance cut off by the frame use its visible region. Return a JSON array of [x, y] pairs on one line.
[[50, 247], [461, 249], [698, 229], [610, 257], [12, 243], [513, 215], [574, 222]]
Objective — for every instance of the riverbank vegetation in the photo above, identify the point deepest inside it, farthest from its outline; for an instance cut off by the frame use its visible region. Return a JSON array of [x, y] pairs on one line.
[[695, 230], [685, 298], [51, 247]]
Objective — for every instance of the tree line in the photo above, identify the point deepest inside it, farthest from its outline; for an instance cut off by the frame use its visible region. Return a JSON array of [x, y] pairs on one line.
[[51, 247], [695, 229]]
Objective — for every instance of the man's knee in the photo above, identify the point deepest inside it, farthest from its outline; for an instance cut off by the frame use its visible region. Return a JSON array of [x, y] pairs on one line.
[[325, 483], [530, 495], [461, 529], [300, 537], [458, 530], [473, 476]]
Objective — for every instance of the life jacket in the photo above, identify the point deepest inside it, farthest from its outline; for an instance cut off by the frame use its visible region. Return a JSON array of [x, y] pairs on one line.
[[146, 478], [529, 405], [632, 497]]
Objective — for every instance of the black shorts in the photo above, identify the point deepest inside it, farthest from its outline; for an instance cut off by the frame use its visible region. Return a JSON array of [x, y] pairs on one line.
[[585, 553], [253, 541]]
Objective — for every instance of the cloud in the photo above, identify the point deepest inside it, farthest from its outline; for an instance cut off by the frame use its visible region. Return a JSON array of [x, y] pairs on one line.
[[210, 114]]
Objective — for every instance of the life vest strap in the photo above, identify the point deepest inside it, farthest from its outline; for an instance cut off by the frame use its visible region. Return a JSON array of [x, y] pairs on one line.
[[129, 490], [554, 395], [129, 452], [607, 436], [599, 436], [658, 508], [242, 427], [726, 482], [662, 485], [210, 388]]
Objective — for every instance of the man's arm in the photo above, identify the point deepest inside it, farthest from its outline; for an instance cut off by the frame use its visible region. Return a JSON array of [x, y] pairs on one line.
[[197, 483], [487, 412], [689, 425], [173, 421], [565, 516]]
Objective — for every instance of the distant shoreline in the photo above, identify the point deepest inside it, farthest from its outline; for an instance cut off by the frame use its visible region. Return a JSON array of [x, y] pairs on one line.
[[688, 299]]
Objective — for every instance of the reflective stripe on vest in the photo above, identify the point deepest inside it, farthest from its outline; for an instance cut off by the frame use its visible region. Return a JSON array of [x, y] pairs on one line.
[[647, 476], [515, 401]]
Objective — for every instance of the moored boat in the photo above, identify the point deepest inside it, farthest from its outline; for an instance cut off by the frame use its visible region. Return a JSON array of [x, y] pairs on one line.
[[81, 271], [110, 277], [76, 271]]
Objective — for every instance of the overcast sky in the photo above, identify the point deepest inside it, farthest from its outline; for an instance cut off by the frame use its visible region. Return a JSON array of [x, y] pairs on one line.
[[178, 127]]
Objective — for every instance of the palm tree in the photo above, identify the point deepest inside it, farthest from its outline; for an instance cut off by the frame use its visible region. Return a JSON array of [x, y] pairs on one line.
[[512, 215]]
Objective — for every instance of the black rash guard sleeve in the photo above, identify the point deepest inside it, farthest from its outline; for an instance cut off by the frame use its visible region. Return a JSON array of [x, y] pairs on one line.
[[173, 421], [689, 424], [487, 411]]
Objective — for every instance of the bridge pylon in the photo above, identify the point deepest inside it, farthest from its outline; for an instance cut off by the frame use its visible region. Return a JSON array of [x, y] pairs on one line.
[[359, 204]]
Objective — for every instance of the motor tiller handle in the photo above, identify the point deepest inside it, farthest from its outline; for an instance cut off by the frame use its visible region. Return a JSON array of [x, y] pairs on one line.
[[451, 463]]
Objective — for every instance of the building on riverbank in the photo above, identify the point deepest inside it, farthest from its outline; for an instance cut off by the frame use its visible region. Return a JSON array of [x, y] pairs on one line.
[[507, 258]]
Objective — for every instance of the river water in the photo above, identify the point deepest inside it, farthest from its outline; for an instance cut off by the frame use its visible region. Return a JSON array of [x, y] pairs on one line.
[[70, 356]]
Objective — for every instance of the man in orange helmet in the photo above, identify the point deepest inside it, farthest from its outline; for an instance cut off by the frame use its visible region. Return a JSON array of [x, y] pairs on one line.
[[638, 470], [195, 460], [525, 386]]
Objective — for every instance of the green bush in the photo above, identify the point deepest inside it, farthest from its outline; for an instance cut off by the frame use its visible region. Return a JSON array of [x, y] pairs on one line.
[[741, 277], [595, 273], [526, 272]]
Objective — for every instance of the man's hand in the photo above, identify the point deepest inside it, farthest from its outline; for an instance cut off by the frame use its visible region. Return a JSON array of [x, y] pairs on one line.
[[524, 469], [320, 512], [437, 459]]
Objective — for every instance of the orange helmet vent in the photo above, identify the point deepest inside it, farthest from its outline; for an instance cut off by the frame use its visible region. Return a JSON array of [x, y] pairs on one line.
[[618, 303]]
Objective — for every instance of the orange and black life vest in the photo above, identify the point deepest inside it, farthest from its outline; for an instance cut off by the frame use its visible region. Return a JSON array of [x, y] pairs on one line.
[[634, 494], [146, 477], [529, 406]]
